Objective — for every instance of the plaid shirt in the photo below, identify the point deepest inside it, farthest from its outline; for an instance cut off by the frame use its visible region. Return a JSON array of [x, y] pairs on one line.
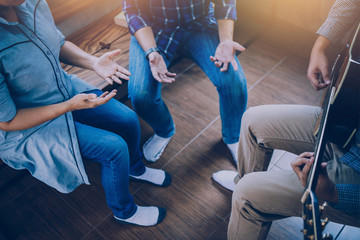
[[169, 19], [349, 194]]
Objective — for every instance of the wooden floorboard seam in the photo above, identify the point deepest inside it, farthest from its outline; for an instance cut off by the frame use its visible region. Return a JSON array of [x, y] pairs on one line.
[[192, 140]]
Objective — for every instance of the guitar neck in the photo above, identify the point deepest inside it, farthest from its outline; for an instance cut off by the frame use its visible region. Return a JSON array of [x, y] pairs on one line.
[[320, 145]]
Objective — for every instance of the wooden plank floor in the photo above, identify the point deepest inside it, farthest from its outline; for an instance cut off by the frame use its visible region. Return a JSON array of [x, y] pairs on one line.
[[275, 68]]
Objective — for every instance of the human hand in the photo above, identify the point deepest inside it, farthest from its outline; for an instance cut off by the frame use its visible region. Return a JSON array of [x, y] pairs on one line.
[[325, 188], [225, 54], [318, 71], [159, 69], [301, 166], [110, 71], [90, 100]]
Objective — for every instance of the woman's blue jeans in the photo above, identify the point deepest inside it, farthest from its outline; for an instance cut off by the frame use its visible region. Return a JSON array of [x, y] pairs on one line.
[[110, 135], [145, 91]]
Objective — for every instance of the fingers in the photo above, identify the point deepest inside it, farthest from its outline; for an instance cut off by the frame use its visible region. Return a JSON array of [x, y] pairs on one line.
[[164, 77], [90, 96], [104, 94], [112, 54], [306, 170], [124, 71], [235, 65], [109, 80], [109, 96], [218, 64], [169, 74], [116, 79], [317, 80], [238, 47], [213, 59], [224, 67], [325, 75], [323, 170], [306, 154], [159, 69], [302, 165], [121, 73], [103, 98]]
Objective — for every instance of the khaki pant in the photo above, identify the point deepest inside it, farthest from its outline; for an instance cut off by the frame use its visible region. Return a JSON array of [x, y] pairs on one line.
[[260, 196]]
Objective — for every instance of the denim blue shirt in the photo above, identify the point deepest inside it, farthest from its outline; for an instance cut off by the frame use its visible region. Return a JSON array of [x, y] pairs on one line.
[[31, 76], [169, 19]]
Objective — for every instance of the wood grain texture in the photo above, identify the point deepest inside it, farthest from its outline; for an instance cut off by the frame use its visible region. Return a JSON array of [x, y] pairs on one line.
[[62, 10], [104, 30], [197, 207]]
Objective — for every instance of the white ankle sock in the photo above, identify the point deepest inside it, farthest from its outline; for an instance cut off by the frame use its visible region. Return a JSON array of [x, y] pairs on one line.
[[144, 216], [152, 175], [234, 150], [225, 178], [154, 147]]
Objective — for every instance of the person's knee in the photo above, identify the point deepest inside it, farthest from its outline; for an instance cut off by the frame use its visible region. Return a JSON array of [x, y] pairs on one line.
[[231, 81], [252, 119], [241, 188], [246, 191], [247, 119], [132, 121], [114, 148], [142, 100]]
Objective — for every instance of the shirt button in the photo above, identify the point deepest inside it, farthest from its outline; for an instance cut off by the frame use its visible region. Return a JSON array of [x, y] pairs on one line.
[[32, 35], [57, 70], [48, 52]]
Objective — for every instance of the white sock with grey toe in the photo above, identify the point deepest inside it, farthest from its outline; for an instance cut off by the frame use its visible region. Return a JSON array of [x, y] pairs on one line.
[[154, 147], [144, 216], [152, 175], [234, 150]]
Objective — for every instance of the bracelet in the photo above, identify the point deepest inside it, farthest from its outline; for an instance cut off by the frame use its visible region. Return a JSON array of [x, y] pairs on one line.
[[153, 49]]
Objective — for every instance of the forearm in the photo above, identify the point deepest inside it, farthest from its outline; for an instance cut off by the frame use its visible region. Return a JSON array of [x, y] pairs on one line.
[[73, 55], [30, 117], [321, 44], [145, 37], [226, 29]]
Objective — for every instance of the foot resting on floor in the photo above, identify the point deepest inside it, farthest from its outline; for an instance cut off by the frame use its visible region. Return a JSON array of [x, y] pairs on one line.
[[234, 150], [145, 216], [154, 176], [225, 178], [154, 147]]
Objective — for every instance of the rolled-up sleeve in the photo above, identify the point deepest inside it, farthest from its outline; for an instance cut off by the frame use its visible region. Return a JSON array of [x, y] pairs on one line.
[[342, 16], [225, 9], [136, 15], [7, 106]]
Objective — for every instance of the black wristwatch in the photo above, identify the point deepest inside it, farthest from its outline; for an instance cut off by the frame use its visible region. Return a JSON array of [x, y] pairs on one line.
[[153, 49]]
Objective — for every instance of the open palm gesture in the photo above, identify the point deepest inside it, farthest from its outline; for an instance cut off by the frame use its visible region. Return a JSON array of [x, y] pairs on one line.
[[109, 70]]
